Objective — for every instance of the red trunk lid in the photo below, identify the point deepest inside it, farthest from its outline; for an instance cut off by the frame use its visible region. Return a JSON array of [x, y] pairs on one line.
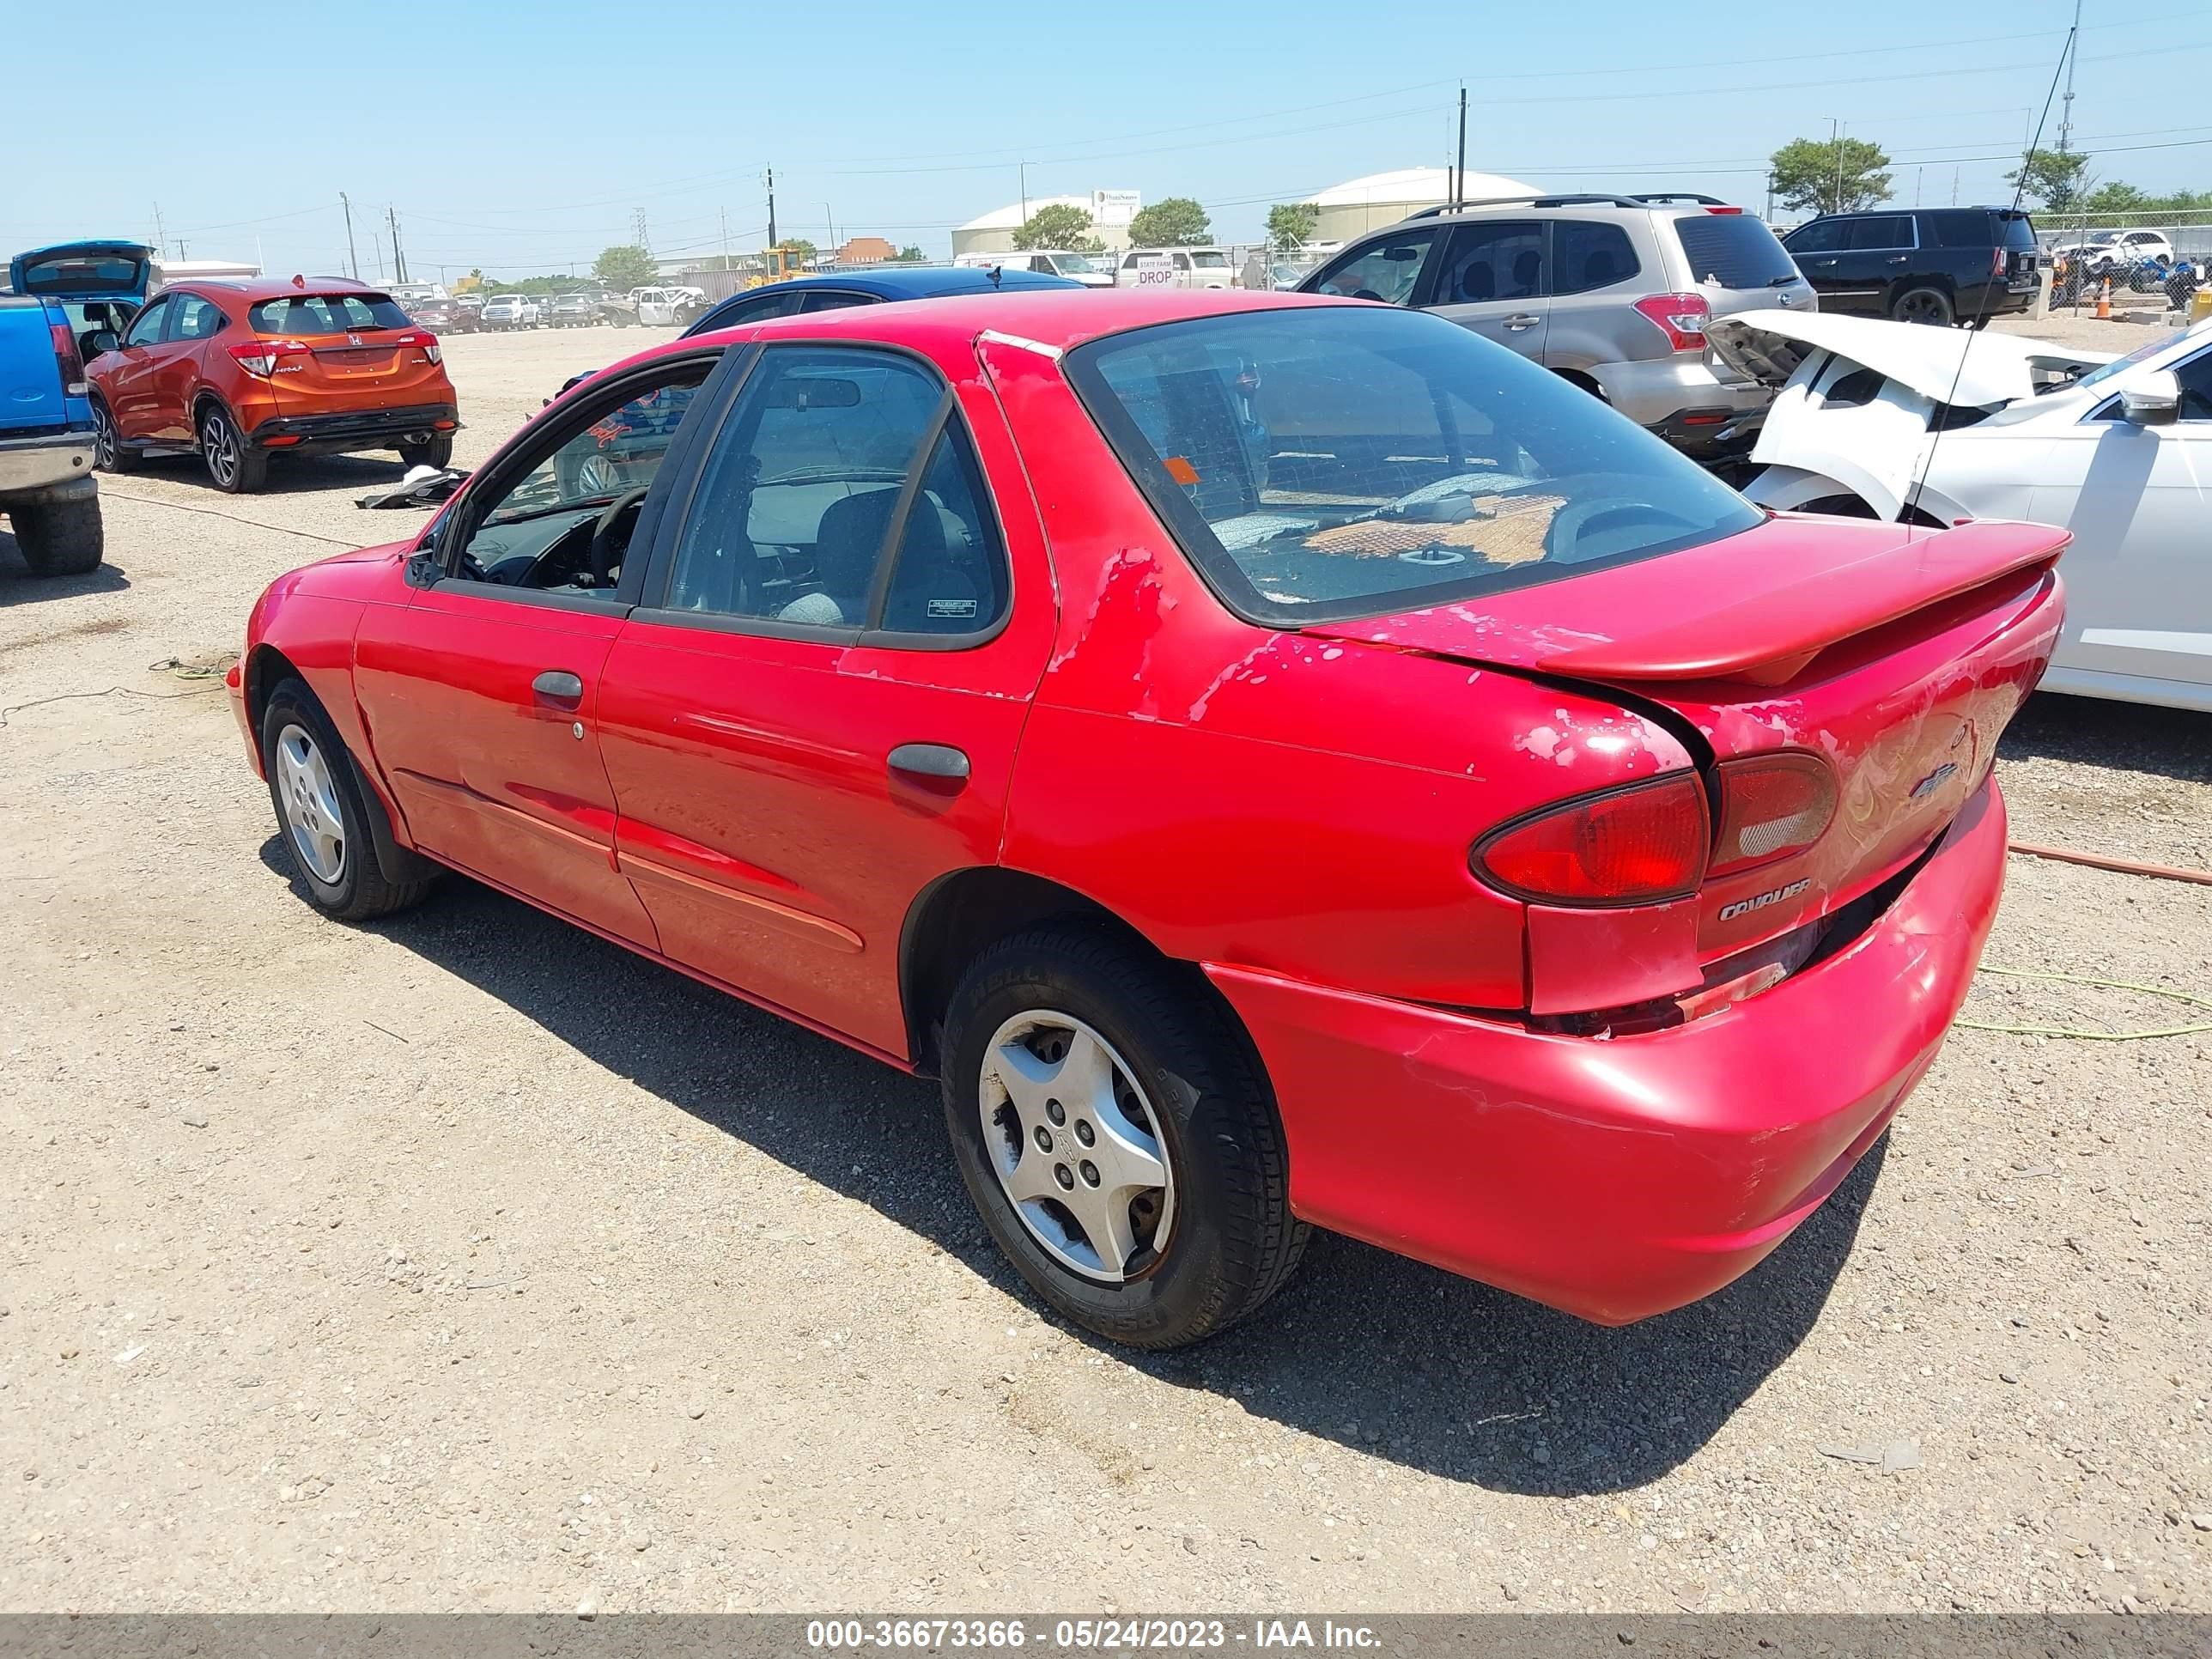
[[1898, 654]]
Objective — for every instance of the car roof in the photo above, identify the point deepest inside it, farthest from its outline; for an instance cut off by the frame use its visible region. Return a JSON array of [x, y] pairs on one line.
[[1067, 316], [921, 282], [257, 288]]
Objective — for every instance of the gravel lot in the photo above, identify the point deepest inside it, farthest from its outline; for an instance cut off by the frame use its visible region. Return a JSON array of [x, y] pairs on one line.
[[463, 1261]]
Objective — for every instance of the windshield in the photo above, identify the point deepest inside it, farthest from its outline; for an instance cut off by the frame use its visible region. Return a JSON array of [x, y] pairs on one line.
[[1344, 461], [2142, 354]]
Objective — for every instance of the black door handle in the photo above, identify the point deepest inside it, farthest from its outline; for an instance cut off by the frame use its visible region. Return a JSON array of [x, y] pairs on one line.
[[938, 765], [559, 688]]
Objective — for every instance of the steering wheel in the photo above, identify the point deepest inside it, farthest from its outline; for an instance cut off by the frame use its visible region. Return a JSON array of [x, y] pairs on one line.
[[602, 552], [1579, 518]]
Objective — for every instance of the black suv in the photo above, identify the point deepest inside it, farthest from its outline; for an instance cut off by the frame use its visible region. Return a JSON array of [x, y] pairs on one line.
[[1939, 265]]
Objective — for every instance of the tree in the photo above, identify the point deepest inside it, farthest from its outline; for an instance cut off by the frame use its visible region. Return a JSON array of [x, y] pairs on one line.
[[908, 255], [1178, 222], [1290, 225], [2054, 178], [624, 268], [1056, 225], [801, 251], [1824, 175]]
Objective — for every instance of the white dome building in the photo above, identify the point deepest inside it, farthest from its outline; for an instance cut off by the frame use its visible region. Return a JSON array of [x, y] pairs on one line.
[[1110, 212], [1359, 205]]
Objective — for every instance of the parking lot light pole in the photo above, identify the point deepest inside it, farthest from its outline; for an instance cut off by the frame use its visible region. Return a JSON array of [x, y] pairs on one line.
[[1458, 176]]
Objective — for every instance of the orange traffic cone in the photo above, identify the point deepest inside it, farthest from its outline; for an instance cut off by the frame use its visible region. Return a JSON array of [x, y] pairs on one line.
[[2104, 299]]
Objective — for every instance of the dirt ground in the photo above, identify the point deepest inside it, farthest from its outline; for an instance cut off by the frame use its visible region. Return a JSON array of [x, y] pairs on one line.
[[462, 1262]]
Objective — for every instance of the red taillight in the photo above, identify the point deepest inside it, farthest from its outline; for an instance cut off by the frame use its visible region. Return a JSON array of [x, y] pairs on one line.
[[65, 353], [1997, 259], [1680, 317], [1771, 807], [259, 356], [1632, 846], [1723, 209]]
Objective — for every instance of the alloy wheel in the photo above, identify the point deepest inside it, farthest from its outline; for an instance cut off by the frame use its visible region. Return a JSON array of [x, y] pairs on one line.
[[219, 443], [1923, 308], [312, 814], [599, 475], [103, 439], [1076, 1146]]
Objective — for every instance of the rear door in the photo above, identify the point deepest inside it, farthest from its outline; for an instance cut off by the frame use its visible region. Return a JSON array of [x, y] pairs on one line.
[[1493, 279], [194, 322], [1592, 318], [812, 714], [1879, 249]]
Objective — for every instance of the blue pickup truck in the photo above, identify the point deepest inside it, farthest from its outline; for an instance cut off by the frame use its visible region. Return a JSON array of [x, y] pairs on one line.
[[58, 300]]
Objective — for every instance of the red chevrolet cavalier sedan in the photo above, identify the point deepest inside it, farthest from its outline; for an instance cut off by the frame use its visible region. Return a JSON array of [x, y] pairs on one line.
[[1278, 762]]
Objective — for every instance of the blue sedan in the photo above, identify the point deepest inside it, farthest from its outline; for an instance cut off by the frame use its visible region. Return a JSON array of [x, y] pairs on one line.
[[871, 285]]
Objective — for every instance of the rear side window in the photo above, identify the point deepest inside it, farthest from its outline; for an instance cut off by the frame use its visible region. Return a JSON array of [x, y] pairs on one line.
[[1350, 461], [1959, 227], [833, 461], [1734, 250], [1494, 259], [1587, 255], [1879, 230], [2019, 231], [195, 319], [326, 313]]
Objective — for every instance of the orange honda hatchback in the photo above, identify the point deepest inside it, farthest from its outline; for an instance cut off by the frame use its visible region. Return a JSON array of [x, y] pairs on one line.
[[236, 372]]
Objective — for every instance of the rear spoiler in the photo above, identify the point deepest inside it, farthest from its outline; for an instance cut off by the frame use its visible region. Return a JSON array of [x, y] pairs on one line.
[[1768, 636]]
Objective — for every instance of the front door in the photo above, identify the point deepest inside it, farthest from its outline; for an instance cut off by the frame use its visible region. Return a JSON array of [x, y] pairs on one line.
[[481, 697], [1493, 279], [2139, 502], [128, 385], [812, 714]]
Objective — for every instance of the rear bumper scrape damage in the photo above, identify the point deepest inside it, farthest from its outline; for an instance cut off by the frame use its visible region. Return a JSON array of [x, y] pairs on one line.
[[1617, 1179]]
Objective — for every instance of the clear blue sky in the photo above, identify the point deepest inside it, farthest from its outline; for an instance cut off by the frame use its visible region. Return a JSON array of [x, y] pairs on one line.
[[523, 138]]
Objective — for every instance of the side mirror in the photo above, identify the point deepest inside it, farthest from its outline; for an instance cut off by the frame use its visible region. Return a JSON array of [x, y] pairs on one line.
[[2151, 399], [101, 340]]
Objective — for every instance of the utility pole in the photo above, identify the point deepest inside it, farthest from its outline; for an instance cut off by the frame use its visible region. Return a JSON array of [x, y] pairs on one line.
[[1459, 178], [398, 259], [638, 230], [352, 256], [830, 219], [181, 249], [725, 213], [1769, 214], [772, 241], [377, 242], [1835, 138], [2066, 113]]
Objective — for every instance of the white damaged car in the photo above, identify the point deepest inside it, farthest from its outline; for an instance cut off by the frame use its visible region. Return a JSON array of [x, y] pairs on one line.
[[1876, 419]]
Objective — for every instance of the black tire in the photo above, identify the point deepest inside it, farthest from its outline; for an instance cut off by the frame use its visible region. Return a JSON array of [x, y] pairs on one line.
[[439, 451], [1232, 1241], [235, 466], [357, 889], [60, 538], [1923, 305], [109, 454]]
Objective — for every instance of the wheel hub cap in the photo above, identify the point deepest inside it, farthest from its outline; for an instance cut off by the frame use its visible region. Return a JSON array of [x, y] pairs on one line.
[[1076, 1147], [311, 804]]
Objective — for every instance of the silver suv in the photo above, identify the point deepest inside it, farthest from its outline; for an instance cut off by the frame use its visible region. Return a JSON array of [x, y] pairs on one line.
[[1612, 292]]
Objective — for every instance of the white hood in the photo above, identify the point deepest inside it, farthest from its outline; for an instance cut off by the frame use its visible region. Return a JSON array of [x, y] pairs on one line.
[[1769, 345]]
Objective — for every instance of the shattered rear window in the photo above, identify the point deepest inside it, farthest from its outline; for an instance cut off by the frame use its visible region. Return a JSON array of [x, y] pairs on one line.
[[1334, 462]]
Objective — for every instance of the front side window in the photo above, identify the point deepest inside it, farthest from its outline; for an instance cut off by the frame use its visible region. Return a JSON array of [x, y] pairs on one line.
[[326, 313], [147, 329], [1210, 260], [1388, 270], [1494, 259], [835, 459], [1332, 463], [542, 529], [1821, 236]]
